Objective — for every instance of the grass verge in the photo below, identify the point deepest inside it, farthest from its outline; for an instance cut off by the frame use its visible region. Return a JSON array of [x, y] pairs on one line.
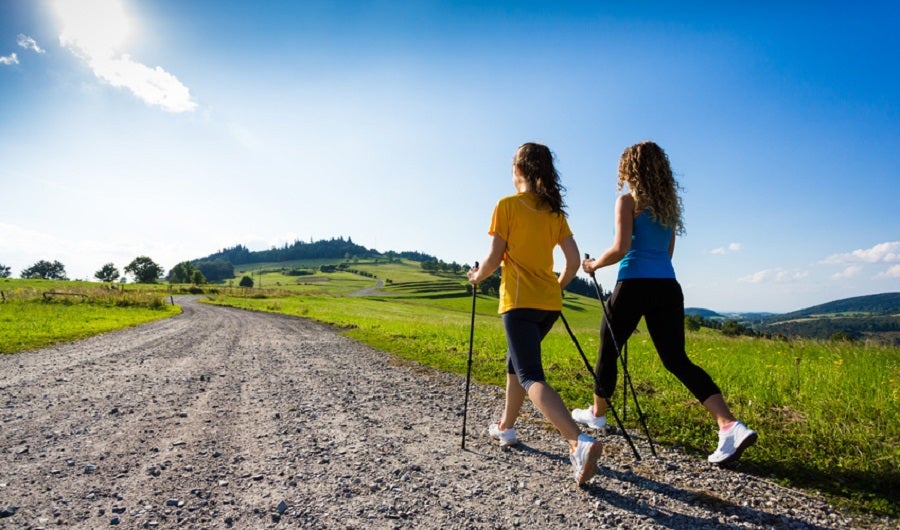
[[37, 313]]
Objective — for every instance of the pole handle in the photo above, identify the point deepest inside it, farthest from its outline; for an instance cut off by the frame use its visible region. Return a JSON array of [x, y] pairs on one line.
[[588, 256]]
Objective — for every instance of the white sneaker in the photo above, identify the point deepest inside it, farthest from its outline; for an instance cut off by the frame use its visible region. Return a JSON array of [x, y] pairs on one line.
[[732, 443], [586, 416], [584, 458], [506, 438]]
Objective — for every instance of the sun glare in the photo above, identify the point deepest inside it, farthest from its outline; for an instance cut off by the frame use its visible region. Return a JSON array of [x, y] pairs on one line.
[[97, 27]]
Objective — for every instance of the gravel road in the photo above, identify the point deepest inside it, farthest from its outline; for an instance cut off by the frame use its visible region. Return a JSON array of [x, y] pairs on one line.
[[222, 418]]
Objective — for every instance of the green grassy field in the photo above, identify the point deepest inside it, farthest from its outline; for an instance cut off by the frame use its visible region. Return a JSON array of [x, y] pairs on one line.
[[36, 313], [828, 413]]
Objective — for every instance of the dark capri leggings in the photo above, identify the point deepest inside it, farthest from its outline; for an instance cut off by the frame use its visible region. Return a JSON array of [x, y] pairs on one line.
[[661, 302]]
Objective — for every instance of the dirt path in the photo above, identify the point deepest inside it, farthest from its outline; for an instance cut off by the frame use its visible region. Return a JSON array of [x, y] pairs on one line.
[[221, 418], [369, 291]]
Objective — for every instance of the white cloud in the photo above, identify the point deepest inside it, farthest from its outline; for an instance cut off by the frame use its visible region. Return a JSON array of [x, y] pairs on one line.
[[733, 247], [882, 253], [776, 275], [95, 30], [23, 247], [892, 272], [9, 59], [153, 85], [849, 272], [29, 43]]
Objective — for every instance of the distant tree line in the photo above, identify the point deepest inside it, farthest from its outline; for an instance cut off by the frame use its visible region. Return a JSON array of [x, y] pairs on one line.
[[731, 327], [844, 328], [436, 265], [144, 270], [338, 248], [298, 272], [488, 286], [200, 272], [416, 256], [834, 328], [358, 272], [586, 288]]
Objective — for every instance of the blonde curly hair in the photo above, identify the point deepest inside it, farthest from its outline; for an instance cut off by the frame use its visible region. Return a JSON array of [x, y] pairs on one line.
[[645, 168]]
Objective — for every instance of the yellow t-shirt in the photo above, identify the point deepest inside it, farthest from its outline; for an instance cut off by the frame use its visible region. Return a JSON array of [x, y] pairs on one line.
[[531, 233]]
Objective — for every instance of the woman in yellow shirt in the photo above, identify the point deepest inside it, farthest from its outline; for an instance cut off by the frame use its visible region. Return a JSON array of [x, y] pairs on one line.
[[525, 229]]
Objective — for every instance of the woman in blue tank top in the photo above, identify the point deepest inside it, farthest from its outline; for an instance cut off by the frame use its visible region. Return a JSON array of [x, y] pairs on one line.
[[647, 221]]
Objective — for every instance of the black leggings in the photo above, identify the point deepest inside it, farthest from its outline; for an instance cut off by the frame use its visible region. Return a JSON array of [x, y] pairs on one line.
[[661, 303], [525, 329]]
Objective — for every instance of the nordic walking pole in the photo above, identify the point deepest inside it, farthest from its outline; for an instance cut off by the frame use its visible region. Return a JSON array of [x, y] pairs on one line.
[[626, 381], [609, 404], [626, 376], [623, 356], [469, 363]]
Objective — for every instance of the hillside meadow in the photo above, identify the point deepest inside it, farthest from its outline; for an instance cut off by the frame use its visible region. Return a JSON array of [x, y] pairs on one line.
[[828, 414], [37, 313]]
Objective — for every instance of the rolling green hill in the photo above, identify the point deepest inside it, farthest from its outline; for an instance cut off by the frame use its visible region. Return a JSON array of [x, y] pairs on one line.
[[701, 312], [885, 304], [874, 317]]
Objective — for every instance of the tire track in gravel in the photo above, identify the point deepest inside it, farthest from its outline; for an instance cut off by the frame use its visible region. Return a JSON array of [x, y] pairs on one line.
[[222, 418]]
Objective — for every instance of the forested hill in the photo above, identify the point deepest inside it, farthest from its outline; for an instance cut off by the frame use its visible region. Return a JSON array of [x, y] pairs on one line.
[[875, 316], [335, 248], [884, 304]]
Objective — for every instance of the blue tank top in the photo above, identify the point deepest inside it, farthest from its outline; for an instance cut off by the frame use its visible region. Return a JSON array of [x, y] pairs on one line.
[[649, 253]]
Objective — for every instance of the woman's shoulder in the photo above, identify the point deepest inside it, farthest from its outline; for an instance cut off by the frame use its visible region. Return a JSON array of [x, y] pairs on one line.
[[506, 200], [626, 200], [529, 199], [512, 197]]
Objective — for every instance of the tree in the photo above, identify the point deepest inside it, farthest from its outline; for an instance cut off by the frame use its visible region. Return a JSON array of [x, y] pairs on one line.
[[197, 278], [692, 322], [490, 286], [108, 273], [246, 281], [216, 270], [45, 270], [182, 273], [733, 328], [841, 336], [582, 287], [144, 269], [4, 271]]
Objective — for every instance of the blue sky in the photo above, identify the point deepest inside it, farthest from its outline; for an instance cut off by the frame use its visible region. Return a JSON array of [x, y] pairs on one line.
[[173, 129]]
